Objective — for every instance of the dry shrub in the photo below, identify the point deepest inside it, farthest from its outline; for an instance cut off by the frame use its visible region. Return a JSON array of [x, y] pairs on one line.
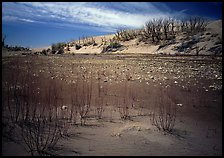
[[84, 98], [99, 108], [102, 92], [123, 103], [164, 112], [40, 134], [74, 98], [30, 105], [41, 127]]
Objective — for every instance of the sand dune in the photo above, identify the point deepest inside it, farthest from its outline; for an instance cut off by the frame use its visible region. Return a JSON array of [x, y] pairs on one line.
[[207, 40]]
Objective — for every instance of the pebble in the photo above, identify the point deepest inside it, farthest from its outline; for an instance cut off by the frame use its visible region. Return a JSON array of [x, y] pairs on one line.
[[180, 105]]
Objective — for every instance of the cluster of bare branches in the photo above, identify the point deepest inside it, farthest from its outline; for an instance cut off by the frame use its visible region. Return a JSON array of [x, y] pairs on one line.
[[30, 105], [102, 92], [83, 41], [193, 25], [84, 97], [158, 30], [124, 103], [41, 124], [126, 35], [164, 112], [86, 41]]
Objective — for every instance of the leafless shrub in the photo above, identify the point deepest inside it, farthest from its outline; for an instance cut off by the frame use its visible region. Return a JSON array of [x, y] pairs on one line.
[[31, 105], [100, 99], [99, 107], [123, 104], [193, 25], [84, 98], [159, 30], [13, 89], [164, 113], [153, 30], [87, 41], [125, 35], [42, 127], [103, 40], [11, 104], [74, 99], [40, 134]]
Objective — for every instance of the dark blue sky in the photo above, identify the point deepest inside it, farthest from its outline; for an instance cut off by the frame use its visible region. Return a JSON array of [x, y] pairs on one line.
[[38, 24]]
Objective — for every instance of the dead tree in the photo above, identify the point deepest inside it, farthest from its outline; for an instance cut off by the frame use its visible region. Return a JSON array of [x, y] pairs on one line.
[[172, 26], [166, 25], [158, 27]]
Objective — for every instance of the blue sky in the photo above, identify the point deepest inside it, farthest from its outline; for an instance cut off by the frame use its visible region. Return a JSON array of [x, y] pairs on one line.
[[39, 24]]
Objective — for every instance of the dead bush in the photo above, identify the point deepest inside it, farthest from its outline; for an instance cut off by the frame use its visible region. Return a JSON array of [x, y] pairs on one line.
[[164, 112], [84, 98], [41, 127], [123, 103], [102, 91], [74, 99]]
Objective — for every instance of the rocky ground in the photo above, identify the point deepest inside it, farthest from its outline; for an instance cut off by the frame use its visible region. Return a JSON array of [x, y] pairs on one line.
[[194, 84]]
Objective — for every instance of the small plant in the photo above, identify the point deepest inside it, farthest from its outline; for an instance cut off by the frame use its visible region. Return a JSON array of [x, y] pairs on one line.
[[44, 52], [164, 113], [99, 108], [77, 46], [102, 91], [40, 135], [58, 48], [123, 105], [113, 45], [84, 98]]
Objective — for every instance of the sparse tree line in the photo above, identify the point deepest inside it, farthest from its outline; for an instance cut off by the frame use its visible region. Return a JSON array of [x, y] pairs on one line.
[[62, 47], [13, 48], [157, 30], [17, 48], [84, 41]]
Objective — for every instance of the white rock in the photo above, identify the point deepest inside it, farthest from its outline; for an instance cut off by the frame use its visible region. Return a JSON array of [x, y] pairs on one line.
[[180, 105]]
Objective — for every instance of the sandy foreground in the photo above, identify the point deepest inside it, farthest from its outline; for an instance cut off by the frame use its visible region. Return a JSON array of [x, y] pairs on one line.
[[194, 85]]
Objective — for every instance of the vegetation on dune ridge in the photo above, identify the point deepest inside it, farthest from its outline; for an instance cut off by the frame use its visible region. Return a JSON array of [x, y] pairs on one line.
[[161, 31]]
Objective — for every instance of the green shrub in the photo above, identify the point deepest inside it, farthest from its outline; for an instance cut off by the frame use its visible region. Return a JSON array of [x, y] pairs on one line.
[[112, 46], [77, 46], [58, 48], [44, 52]]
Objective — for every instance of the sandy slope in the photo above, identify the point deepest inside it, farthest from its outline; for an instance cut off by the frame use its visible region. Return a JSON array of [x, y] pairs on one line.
[[208, 39]]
